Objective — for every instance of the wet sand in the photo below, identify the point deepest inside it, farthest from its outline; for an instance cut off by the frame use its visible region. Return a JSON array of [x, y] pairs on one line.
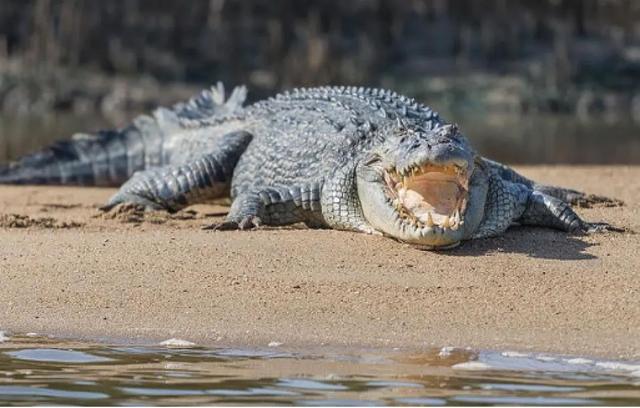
[[66, 270]]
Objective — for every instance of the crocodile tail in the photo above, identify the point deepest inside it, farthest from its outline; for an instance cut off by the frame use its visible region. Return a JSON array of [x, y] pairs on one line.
[[106, 158], [110, 157]]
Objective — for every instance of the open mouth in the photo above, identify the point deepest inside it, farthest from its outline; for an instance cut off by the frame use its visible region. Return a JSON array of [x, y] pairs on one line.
[[429, 195]]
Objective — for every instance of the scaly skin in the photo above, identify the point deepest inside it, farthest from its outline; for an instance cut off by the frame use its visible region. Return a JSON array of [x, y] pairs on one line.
[[328, 157]]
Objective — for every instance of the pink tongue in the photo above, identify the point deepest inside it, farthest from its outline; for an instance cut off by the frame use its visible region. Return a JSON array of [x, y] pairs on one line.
[[411, 199], [436, 194], [414, 202]]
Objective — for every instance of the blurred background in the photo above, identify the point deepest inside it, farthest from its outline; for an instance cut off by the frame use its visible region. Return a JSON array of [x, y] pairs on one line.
[[530, 81]]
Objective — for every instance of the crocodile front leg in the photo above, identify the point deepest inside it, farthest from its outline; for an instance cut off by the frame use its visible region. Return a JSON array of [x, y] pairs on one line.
[[505, 204], [172, 188], [273, 205]]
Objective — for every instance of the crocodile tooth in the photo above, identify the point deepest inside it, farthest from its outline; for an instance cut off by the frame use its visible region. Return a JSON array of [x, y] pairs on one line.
[[446, 223], [456, 220], [429, 220], [387, 178]]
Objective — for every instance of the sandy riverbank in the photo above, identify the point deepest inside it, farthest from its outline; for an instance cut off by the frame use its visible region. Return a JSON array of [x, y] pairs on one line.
[[66, 270]]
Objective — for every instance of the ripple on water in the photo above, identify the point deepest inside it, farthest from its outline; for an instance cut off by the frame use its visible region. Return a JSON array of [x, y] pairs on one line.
[[14, 390], [177, 343], [310, 384], [53, 355]]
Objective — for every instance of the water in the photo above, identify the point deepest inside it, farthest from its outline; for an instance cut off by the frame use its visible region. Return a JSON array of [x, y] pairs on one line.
[[22, 134], [509, 138], [37, 370]]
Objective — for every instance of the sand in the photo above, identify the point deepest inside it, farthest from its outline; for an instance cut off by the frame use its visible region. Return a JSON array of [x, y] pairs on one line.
[[66, 270]]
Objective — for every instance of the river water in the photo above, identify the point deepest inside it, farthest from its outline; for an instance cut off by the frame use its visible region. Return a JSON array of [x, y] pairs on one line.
[[42, 370], [510, 138]]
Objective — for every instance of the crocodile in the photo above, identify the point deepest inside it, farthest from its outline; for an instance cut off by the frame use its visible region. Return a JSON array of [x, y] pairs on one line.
[[347, 158]]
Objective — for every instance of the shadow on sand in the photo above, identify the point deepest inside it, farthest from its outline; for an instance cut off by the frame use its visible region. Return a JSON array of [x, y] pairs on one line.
[[532, 241]]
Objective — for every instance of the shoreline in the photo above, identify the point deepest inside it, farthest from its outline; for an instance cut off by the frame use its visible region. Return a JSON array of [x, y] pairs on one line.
[[73, 273], [457, 358]]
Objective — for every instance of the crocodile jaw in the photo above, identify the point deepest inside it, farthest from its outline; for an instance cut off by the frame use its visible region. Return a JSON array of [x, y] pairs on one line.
[[430, 206]]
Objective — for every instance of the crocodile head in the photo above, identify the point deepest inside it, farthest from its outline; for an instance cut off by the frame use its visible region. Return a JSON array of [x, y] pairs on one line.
[[422, 186]]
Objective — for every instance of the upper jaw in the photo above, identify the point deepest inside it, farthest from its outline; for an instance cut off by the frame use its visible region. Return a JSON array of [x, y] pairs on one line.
[[460, 166]]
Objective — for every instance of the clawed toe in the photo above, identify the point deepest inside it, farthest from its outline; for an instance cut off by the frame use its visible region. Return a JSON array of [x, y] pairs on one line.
[[131, 200], [367, 229], [222, 226], [599, 227], [119, 207], [247, 223], [107, 207]]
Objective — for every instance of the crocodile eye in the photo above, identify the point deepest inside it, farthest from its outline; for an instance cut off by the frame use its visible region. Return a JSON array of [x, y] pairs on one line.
[[371, 160]]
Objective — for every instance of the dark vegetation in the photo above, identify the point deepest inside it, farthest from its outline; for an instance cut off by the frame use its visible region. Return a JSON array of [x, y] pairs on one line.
[[570, 56]]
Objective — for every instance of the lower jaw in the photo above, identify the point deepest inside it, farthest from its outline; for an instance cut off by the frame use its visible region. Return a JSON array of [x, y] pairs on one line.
[[432, 241]]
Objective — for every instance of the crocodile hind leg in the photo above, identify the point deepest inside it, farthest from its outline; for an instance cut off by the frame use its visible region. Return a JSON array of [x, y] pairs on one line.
[[273, 205], [174, 187]]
